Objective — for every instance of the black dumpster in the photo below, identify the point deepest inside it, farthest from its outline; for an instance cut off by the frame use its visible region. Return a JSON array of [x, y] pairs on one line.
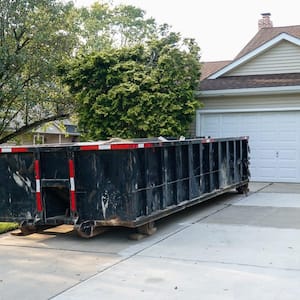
[[116, 183]]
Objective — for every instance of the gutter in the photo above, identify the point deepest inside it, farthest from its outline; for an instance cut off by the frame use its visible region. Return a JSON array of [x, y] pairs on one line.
[[250, 91]]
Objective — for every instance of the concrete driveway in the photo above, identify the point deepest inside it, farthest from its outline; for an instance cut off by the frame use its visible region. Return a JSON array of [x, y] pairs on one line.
[[232, 247]]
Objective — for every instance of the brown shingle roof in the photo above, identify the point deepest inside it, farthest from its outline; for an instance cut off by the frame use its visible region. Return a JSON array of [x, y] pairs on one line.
[[266, 34], [263, 35], [211, 67], [252, 81]]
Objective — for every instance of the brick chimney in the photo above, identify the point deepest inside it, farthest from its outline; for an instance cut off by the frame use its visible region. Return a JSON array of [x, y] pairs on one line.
[[265, 21]]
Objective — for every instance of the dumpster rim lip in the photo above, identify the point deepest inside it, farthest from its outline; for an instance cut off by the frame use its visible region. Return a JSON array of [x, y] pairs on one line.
[[119, 145]]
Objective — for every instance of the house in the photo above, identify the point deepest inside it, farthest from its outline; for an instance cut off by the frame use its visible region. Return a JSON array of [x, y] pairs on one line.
[[57, 132], [258, 94]]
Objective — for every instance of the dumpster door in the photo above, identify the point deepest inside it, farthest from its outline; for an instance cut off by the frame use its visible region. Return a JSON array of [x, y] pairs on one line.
[[57, 173]]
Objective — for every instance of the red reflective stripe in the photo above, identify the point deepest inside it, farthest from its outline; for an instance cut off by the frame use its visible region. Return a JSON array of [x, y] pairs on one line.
[[37, 169], [89, 147], [148, 145], [16, 150], [71, 168], [39, 204], [123, 146], [116, 146], [72, 186], [73, 201]]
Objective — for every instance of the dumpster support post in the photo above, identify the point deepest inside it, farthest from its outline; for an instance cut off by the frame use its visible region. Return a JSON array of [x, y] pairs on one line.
[[39, 204], [73, 203]]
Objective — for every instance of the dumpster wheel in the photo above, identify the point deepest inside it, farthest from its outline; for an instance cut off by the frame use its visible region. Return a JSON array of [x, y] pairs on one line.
[[147, 229], [30, 228], [244, 189], [143, 231], [89, 229]]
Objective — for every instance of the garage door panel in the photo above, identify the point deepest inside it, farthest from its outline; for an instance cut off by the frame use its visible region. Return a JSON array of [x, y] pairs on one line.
[[287, 136], [287, 155], [274, 141], [265, 154], [286, 145], [210, 126], [287, 165], [287, 174], [254, 173], [265, 145], [287, 121], [268, 135], [265, 172], [266, 163]]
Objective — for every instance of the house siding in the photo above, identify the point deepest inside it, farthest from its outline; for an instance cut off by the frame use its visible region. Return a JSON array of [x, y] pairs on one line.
[[282, 58], [252, 102], [55, 139]]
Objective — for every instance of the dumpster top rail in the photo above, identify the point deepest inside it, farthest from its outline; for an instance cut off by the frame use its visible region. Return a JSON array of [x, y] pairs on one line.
[[115, 144]]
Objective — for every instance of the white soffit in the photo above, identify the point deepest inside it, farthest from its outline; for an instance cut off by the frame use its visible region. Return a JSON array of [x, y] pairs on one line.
[[257, 51]]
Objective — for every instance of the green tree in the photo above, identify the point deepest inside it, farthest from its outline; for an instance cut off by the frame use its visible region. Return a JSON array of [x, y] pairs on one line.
[[140, 91], [38, 35], [105, 27], [35, 36]]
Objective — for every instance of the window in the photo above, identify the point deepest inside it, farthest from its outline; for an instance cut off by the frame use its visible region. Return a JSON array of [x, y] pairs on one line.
[[38, 139]]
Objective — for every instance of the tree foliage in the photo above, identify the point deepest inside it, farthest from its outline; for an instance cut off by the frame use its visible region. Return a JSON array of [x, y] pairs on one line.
[[35, 36], [137, 85], [105, 26], [140, 91]]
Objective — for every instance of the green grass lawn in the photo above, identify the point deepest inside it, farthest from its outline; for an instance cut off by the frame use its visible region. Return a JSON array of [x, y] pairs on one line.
[[5, 226]]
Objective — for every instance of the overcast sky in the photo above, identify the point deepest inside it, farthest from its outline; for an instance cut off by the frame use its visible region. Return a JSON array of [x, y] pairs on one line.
[[220, 27]]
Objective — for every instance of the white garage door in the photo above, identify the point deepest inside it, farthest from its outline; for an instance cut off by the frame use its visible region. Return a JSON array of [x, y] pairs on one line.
[[274, 141]]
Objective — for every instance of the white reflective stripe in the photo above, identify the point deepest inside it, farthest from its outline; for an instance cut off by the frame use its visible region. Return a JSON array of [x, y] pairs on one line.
[[104, 147], [6, 150], [72, 183], [141, 145], [38, 185]]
